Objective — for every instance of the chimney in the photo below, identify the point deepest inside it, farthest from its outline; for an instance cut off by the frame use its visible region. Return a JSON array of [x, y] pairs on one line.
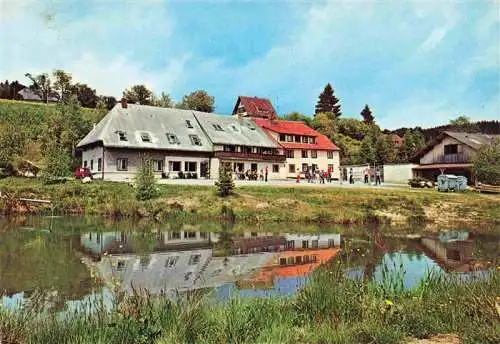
[[124, 103]]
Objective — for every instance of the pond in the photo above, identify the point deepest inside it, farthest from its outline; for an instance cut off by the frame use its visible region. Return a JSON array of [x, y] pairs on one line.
[[72, 261]]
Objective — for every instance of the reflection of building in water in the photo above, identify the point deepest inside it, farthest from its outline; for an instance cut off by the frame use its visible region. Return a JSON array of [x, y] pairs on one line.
[[97, 243], [185, 260], [452, 251], [289, 264]]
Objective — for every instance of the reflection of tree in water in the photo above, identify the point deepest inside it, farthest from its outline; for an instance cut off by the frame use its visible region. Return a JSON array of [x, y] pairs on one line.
[[225, 243], [31, 261]]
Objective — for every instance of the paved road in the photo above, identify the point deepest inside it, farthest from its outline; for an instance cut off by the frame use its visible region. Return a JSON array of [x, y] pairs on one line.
[[288, 182]]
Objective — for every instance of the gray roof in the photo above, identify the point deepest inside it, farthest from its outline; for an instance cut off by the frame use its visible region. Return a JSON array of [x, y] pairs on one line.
[[155, 121], [28, 94], [474, 140], [235, 131]]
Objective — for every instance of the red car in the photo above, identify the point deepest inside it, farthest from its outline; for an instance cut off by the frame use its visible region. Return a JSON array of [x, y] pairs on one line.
[[82, 172]]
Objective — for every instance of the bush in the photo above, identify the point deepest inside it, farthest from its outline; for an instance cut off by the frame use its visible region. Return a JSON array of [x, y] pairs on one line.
[[486, 164], [146, 181], [225, 184], [57, 161]]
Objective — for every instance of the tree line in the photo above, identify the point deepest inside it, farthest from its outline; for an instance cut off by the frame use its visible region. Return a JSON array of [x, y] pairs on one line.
[[59, 86]]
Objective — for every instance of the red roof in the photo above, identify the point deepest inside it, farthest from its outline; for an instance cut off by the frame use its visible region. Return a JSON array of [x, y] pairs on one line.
[[256, 107], [296, 128]]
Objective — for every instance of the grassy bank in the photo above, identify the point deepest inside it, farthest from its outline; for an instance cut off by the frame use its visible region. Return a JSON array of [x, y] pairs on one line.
[[393, 206], [331, 309]]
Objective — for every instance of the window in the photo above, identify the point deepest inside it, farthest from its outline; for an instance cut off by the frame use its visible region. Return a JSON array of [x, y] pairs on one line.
[[194, 259], [331, 243], [99, 164], [175, 166], [290, 244], [122, 135], [145, 137], [305, 244], [329, 155], [85, 163], [250, 126], [305, 168], [282, 261], [311, 139], [195, 140], [289, 138], [234, 128], [291, 168], [203, 235], [92, 165], [450, 149], [276, 168], [158, 165], [305, 139], [297, 138], [190, 166], [289, 153], [189, 235], [253, 167], [217, 127], [315, 167], [304, 153], [330, 167], [188, 124], [315, 244], [121, 164], [314, 154], [120, 265], [298, 260], [174, 235], [171, 261], [229, 149], [282, 137], [172, 139]]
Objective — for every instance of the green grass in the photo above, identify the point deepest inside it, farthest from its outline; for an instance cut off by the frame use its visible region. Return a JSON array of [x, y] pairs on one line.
[[330, 309], [397, 207]]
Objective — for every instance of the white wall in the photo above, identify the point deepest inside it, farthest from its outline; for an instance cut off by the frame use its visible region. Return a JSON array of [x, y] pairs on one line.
[[93, 154], [323, 239], [398, 173]]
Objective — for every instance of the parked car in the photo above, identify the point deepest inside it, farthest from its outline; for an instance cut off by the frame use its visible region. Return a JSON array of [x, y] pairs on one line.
[[82, 172]]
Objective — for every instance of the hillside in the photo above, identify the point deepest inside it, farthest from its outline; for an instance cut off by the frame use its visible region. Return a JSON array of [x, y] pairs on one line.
[[28, 129]]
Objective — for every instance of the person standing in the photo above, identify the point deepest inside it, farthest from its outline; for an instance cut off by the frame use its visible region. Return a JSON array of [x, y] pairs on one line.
[[367, 172], [265, 174], [351, 177], [298, 176], [377, 176]]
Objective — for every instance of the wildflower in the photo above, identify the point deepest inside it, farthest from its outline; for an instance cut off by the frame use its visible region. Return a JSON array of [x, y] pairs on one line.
[[388, 302]]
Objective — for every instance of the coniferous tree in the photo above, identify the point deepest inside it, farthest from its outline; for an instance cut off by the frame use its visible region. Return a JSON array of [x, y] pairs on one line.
[[146, 181], [328, 102], [367, 115], [225, 184]]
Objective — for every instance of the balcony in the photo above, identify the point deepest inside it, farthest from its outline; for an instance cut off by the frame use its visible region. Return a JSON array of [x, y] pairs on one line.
[[458, 158], [250, 156]]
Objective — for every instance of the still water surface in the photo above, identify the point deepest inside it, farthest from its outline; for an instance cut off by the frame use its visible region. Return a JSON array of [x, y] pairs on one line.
[[75, 260]]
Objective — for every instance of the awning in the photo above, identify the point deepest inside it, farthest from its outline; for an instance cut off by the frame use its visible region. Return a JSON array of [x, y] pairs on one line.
[[442, 166]]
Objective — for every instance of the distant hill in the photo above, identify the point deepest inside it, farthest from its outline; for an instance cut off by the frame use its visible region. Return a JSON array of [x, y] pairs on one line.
[[485, 127]]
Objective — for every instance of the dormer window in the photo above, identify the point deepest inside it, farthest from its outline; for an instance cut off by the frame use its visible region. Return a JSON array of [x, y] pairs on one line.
[[195, 140], [305, 139], [122, 135], [234, 128], [289, 138], [217, 127], [188, 124], [250, 126], [145, 137], [172, 139], [311, 139]]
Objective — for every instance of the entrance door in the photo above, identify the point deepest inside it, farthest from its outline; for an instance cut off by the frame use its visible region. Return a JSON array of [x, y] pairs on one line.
[[204, 169]]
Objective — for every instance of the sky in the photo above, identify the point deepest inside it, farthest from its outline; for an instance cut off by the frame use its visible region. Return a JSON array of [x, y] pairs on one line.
[[415, 63]]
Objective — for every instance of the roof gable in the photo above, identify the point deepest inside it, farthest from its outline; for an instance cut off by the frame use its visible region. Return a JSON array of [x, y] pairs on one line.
[[256, 107]]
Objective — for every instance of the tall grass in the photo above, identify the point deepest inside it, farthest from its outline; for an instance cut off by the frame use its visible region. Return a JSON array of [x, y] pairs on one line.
[[330, 309]]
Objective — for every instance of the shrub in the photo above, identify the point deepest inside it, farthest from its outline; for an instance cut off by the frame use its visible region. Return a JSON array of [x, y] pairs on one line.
[[225, 184], [486, 164], [146, 181]]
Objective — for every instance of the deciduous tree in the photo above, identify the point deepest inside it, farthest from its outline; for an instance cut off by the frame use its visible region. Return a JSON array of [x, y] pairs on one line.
[[138, 94], [198, 100], [163, 100], [62, 84], [41, 85], [486, 164]]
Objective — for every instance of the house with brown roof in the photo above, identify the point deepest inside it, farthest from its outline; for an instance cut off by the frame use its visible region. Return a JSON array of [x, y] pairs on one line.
[[450, 153], [254, 107]]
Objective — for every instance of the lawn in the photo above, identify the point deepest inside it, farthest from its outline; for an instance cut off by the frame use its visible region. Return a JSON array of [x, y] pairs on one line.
[[397, 207]]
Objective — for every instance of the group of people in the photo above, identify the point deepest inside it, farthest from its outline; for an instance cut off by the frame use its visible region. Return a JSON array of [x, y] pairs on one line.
[[254, 174], [369, 175], [312, 175]]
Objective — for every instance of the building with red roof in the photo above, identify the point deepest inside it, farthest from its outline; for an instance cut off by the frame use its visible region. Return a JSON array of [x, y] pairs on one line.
[[254, 107]]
